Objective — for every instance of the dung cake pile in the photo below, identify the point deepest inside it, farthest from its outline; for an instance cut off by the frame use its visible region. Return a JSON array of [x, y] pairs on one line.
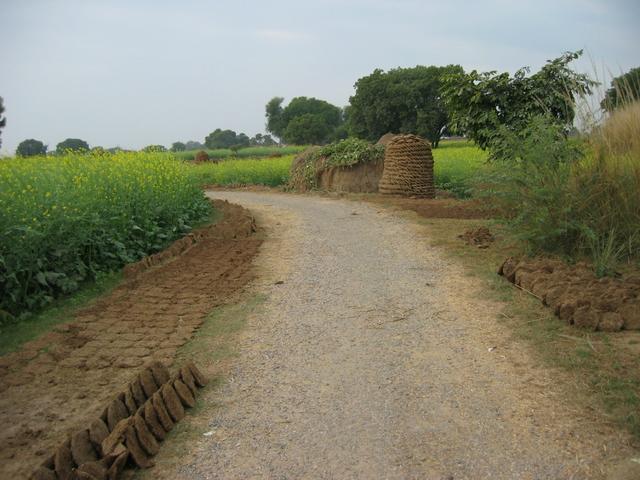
[[408, 168], [576, 295], [129, 429]]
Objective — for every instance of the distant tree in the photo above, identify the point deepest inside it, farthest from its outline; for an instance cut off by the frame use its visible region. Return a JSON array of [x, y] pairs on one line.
[[178, 147], [327, 118], [307, 129], [221, 139], [98, 150], [71, 144], [3, 119], [193, 145], [31, 148], [273, 112], [262, 140], [402, 100], [624, 89], [481, 104], [242, 140], [154, 148], [268, 141]]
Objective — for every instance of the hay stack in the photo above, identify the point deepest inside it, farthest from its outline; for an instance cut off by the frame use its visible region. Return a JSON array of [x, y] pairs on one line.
[[408, 168]]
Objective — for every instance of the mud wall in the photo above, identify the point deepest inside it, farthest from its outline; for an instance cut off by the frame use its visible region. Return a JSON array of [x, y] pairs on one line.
[[359, 178]]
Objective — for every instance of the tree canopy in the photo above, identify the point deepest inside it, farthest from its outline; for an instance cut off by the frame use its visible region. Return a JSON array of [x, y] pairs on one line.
[[3, 119], [178, 147], [71, 144], [154, 148], [31, 148], [226, 139], [624, 89], [402, 100], [321, 117], [479, 104]]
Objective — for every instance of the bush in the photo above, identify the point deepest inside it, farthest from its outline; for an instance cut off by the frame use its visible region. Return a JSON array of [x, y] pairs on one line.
[[71, 145], [572, 197], [65, 220]]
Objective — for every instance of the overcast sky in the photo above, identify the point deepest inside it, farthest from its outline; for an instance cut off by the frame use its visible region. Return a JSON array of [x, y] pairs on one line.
[[139, 72]]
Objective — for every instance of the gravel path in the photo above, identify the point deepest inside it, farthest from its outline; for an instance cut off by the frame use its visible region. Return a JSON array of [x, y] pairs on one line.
[[373, 360]]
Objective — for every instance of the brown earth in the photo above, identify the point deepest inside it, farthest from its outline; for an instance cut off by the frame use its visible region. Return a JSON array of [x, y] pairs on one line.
[[480, 237], [359, 178], [576, 295], [433, 208], [55, 384]]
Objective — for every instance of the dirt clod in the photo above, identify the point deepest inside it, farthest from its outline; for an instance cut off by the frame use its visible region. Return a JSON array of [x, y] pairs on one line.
[[184, 394], [146, 439], [151, 418], [187, 377], [81, 448], [479, 237], [117, 466], [116, 437], [172, 402], [161, 411], [116, 412], [63, 461], [137, 453], [147, 382], [43, 473], [160, 373], [200, 380], [137, 392], [98, 431], [129, 402], [97, 469]]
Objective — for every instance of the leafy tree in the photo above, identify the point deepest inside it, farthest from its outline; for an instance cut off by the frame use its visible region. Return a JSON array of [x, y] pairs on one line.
[[31, 148], [479, 104], [402, 100], [624, 89], [220, 139], [193, 145], [243, 140], [261, 140], [178, 147], [3, 119], [71, 144], [327, 118], [306, 129], [273, 113], [154, 148]]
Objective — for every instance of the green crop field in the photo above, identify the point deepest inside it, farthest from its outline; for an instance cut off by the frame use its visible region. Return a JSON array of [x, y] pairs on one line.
[[65, 220], [455, 164], [255, 171], [249, 152]]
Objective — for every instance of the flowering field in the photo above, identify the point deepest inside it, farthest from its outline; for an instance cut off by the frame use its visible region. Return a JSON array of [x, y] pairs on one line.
[[251, 171], [65, 220]]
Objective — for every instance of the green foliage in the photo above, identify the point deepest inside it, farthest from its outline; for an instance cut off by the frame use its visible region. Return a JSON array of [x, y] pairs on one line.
[[178, 147], [482, 105], [193, 145], [261, 140], [251, 171], [71, 145], [304, 120], [154, 148], [350, 152], [31, 148], [66, 220], [3, 119], [225, 139], [402, 100], [625, 89]]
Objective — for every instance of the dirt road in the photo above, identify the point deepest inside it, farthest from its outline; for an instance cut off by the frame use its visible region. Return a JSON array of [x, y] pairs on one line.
[[378, 358]]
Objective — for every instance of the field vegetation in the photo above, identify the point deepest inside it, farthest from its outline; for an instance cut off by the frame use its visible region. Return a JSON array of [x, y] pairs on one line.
[[66, 220], [249, 152], [270, 172]]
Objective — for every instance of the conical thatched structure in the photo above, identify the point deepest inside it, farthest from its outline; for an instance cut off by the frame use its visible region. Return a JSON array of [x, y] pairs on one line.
[[408, 167]]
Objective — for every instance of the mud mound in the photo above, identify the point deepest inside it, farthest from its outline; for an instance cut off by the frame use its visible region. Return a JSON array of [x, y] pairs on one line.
[[359, 178], [576, 295], [408, 168], [201, 157], [302, 173], [385, 139], [480, 237], [133, 436], [60, 383]]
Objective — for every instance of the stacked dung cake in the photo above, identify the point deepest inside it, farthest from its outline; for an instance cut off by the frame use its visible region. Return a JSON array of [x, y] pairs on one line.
[[408, 168]]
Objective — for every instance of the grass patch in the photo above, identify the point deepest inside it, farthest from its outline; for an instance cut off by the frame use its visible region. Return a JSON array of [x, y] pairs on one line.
[[456, 162], [14, 335], [270, 172], [602, 367]]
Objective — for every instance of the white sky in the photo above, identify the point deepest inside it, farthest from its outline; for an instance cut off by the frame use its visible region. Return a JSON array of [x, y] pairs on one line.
[[139, 72]]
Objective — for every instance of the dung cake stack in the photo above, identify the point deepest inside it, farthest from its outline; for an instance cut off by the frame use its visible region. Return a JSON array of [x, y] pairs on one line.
[[408, 168]]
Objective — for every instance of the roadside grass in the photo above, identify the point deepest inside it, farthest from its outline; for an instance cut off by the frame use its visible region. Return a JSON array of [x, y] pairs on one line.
[[603, 367], [14, 335], [456, 162], [271, 172], [249, 152], [213, 348]]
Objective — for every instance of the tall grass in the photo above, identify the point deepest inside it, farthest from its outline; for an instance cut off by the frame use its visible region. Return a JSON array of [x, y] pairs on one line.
[[266, 171], [65, 220]]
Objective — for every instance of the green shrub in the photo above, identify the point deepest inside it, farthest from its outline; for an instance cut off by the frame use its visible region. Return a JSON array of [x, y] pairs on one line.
[[65, 220]]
